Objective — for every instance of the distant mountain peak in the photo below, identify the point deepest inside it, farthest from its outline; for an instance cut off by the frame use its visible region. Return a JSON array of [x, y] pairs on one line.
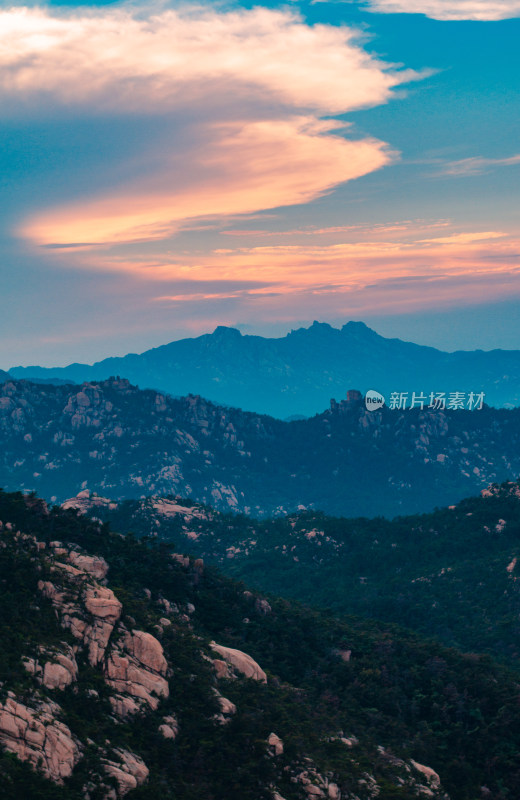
[[223, 331], [316, 325], [356, 327]]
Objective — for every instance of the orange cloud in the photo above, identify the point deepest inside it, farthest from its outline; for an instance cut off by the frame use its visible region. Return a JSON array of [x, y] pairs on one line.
[[243, 168], [400, 270]]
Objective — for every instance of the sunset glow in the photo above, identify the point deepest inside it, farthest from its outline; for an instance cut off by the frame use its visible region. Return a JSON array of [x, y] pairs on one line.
[[187, 166]]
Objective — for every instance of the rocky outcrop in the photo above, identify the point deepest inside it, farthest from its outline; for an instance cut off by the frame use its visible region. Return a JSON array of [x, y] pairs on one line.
[[431, 776], [85, 502], [123, 705], [129, 770], [37, 736], [275, 744], [169, 727], [242, 662], [136, 667], [105, 608], [93, 565], [262, 606], [88, 610], [222, 668], [227, 709], [56, 673]]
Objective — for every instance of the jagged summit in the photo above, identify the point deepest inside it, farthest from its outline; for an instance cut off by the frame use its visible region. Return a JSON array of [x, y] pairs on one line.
[[359, 328], [223, 331]]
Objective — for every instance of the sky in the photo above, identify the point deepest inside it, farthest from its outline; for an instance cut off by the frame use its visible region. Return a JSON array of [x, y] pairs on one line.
[[169, 167]]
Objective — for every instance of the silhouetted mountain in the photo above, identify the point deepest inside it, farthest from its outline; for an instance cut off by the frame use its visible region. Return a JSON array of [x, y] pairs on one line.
[[4, 376], [123, 442], [300, 372]]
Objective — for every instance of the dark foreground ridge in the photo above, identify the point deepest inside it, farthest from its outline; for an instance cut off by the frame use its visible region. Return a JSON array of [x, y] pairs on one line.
[[129, 669]]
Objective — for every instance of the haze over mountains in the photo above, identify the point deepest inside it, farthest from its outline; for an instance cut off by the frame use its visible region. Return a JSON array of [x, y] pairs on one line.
[[298, 374], [123, 442]]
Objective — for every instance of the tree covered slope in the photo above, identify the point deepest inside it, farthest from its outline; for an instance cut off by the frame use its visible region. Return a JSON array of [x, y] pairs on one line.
[[453, 574], [120, 675]]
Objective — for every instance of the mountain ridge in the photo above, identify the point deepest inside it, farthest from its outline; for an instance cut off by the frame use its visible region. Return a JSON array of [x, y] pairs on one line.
[[300, 372]]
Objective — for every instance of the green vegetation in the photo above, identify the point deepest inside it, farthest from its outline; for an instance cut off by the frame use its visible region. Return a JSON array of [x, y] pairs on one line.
[[459, 714], [449, 575]]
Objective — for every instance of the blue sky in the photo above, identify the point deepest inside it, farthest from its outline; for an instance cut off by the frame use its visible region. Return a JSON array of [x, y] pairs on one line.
[[168, 168]]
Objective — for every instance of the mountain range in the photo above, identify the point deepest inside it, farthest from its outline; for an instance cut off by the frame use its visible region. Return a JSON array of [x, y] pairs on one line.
[[298, 374], [117, 440]]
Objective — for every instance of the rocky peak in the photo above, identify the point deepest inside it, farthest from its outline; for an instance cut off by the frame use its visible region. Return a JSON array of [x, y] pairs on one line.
[[226, 334]]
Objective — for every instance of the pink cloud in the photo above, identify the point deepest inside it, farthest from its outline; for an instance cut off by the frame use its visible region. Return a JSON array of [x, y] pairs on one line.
[[246, 89], [391, 268], [243, 167], [386, 269]]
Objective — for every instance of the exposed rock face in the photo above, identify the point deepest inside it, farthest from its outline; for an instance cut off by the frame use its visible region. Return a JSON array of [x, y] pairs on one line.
[[36, 736], [275, 743], [104, 609], [262, 606], [227, 709], [430, 774], [222, 669], [136, 667], [85, 501], [169, 727], [241, 662], [93, 565], [57, 673], [124, 705], [226, 706], [129, 770]]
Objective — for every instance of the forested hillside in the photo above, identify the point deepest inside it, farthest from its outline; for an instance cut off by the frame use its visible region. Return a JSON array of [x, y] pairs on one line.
[[117, 440], [453, 574], [128, 668]]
